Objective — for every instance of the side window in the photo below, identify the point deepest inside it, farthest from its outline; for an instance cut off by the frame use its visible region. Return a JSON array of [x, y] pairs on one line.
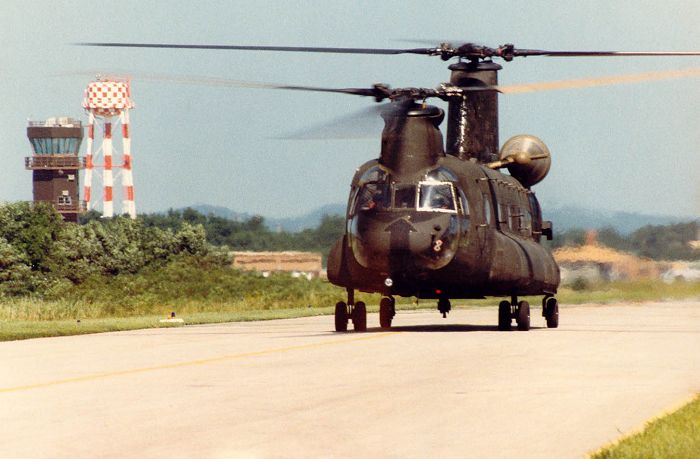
[[463, 204], [514, 218], [536, 216], [526, 223], [488, 215], [503, 214]]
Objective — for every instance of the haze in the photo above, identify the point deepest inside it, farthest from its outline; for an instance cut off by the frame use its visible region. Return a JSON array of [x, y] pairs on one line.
[[632, 147]]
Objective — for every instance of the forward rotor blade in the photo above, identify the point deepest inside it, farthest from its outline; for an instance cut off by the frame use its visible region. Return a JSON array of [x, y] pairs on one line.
[[375, 91], [602, 81], [363, 124], [296, 49]]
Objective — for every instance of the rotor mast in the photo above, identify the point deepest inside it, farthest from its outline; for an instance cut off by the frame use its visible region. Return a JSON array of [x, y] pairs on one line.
[[472, 119]]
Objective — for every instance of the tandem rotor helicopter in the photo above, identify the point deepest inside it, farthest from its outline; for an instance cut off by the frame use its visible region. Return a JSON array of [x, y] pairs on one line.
[[440, 220]]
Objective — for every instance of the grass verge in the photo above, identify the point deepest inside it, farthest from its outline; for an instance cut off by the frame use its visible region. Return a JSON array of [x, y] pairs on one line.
[[676, 435], [141, 304]]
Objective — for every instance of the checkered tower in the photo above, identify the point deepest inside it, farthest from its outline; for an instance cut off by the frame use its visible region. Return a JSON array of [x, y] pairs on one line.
[[107, 100]]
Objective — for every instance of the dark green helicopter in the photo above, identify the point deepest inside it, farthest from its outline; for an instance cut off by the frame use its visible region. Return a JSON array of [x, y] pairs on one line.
[[443, 222]]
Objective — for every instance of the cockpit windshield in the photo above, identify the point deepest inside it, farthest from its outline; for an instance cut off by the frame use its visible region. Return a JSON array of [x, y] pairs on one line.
[[436, 196], [436, 193]]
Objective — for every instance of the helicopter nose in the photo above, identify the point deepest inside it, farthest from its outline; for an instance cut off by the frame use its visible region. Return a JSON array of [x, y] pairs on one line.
[[402, 242]]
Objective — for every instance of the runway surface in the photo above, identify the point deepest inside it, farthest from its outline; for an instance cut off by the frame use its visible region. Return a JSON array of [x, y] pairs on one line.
[[452, 387]]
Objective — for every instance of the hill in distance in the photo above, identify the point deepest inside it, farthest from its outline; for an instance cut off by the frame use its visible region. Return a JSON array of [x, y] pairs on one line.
[[563, 218]]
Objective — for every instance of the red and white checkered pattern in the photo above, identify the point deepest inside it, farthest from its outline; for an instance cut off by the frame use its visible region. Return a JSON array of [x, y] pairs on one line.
[[107, 98]]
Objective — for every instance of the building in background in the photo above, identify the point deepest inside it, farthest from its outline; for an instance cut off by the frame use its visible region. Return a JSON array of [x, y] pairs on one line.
[[55, 164], [298, 264]]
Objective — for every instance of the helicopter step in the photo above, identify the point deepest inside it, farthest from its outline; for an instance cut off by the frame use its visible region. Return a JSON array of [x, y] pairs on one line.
[[357, 312]]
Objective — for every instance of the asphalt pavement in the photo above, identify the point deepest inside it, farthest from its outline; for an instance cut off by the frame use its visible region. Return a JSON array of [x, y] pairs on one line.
[[430, 387]]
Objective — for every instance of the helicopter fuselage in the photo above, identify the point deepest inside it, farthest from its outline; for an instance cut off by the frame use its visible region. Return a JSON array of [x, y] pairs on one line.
[[456, 230]]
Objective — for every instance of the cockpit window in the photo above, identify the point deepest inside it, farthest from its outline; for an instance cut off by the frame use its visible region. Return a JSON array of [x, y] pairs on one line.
[[437, 196], [404, 196], [379, 193], [373, 196], [373, 174], [441, 174]]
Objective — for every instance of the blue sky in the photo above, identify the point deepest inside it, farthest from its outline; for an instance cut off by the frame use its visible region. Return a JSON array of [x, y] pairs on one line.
[[632, 147]]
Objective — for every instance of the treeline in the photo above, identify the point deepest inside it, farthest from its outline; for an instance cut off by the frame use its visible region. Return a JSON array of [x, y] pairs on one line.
[[40, 254], [658, 242], [251, 234]]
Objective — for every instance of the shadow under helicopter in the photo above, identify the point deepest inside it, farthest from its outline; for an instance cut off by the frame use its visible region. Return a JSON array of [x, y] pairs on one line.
[[436, 328]]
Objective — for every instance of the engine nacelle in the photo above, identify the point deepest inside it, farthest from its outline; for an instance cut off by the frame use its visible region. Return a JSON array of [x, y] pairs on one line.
[[529, 158]]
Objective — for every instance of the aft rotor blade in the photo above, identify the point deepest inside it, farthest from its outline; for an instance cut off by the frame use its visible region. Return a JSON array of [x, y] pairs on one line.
[[295, 49], [601, 81], [444, 50], [539, 52]]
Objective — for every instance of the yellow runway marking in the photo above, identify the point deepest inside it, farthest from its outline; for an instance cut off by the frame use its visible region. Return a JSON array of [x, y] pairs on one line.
[[189, 363]]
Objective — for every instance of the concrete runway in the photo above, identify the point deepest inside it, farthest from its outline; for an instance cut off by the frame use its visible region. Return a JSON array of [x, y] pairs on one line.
[[291, 388]]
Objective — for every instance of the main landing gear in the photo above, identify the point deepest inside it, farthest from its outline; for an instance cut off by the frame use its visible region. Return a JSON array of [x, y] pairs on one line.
[[387, 311], [357, 312], [520, 311], [550, 311]]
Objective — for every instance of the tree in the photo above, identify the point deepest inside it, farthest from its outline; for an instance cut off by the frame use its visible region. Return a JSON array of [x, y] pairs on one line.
[[32, 228]]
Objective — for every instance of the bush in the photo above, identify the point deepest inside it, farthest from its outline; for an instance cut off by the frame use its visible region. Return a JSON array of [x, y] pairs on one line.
[[39, 252], [579, 284]]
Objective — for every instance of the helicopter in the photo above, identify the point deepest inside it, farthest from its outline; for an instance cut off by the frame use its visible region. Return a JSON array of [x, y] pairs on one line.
[[439, 219]]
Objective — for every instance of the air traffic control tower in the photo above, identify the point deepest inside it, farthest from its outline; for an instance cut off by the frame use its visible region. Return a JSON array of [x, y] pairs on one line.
[[55, 164]]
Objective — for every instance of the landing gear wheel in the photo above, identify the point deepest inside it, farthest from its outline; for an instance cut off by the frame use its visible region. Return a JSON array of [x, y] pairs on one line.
[[341, 316], [523, 317], [444, 306], [359, 316], [386, 312], [551, 312], [504, 315]]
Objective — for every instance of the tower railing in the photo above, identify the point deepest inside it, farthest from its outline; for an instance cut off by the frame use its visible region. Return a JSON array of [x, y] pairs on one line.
[[54, 162], [67, 208]]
